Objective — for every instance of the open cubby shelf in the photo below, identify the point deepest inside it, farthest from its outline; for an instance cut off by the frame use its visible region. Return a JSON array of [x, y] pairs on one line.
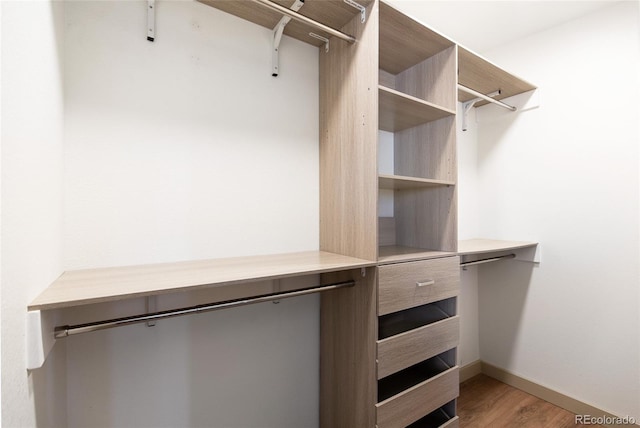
[[409, 319], [399, 111], [399, 182], [411, 376]]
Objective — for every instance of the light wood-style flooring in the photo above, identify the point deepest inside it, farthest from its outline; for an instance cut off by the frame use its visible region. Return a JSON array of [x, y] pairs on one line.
[[486, 402]]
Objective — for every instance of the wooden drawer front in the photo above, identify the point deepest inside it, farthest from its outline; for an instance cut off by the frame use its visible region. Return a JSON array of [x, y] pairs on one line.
[[406, 349], [412, 404], [405, 285]]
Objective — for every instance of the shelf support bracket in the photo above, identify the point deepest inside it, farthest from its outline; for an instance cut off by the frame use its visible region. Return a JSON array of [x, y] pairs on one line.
[[151, 307], [151, 20], [277, 37], [468, 105], [324, 39], [361, 8]]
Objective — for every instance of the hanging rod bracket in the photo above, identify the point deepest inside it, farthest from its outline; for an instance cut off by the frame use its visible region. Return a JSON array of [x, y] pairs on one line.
[[324, 39], [468, 105], [151, 306], [277, 37], [485, 97], [361, 8], [305, 20], [151, 20]]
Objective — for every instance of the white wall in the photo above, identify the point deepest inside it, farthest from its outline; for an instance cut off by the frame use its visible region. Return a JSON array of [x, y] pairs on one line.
[[187, 148], [32, 136], [566, 174]]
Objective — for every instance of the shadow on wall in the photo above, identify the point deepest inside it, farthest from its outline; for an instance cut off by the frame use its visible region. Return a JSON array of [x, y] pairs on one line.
[[503, 289]]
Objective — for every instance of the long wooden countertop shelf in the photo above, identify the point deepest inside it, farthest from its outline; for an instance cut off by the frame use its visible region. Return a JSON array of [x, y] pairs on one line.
[[483, 246], [398, 111], [400, 182], [87, 286]]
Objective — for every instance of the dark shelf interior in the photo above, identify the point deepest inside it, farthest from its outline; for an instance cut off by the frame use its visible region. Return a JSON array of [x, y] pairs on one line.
[[409, 319]]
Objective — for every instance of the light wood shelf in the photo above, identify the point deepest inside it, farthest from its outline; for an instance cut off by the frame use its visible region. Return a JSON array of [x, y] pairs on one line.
[[483, 246], [400, 111], [400, 182], [333, 13], [87, 286], [480, 74], [404, 42], [397, 253]]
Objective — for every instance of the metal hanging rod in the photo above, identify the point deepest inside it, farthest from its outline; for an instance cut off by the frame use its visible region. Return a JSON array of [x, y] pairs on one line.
[[485, 97], [489, 260], [301, 18], [70, 330]]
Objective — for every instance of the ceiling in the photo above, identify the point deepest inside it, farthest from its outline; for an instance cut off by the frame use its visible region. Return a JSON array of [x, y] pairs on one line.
[[481, 25]]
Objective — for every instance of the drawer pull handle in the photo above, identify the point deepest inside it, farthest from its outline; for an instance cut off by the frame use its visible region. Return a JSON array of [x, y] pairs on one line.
[[425, 283]]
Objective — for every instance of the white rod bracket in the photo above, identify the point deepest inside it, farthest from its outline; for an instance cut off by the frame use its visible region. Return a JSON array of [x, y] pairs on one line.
[[324, 39], [277, 37], [361, 8], [151, 307], [151, 20], [468, 105], [486, 97]]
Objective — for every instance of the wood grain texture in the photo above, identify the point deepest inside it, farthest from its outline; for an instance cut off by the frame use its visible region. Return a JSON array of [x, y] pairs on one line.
[[427, 218], [333, 13], [389, 254], [386, 231], [398, 182], [348, 142], [427, 151], [433, 80], [485, 402], [397, 283], [485, 77], [403, 350], [400, 111], [86, 286], [418, 401], [481, 246], [404, 42], [387, 80], [348, 332]]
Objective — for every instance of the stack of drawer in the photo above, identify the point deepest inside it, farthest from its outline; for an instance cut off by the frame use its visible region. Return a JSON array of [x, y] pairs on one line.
[[418, 332]]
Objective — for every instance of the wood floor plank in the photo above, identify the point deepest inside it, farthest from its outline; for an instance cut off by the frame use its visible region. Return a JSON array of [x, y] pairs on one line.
[[485, 402]]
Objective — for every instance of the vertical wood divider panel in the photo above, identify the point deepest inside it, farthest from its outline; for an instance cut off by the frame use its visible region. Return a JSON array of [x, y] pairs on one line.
[[348, 387], [433, 80], [348, 141], [349, 223]]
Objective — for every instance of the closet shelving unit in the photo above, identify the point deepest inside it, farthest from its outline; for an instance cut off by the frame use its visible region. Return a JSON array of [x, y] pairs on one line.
[[388, 341]]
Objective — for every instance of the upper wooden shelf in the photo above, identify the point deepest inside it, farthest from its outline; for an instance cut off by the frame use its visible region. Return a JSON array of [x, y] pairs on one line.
[[485, 77], [333, 13], [404, 42], [399, 182], [398, 111], [87, 286], [482, 246]]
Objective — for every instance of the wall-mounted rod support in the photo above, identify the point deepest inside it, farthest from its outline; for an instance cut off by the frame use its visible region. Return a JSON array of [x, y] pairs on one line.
[[485, 97], [301, 18], [151, 20], [69, 330], [468, 105], [361, 8], [489, 260], [277, 37], [324, 39]]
